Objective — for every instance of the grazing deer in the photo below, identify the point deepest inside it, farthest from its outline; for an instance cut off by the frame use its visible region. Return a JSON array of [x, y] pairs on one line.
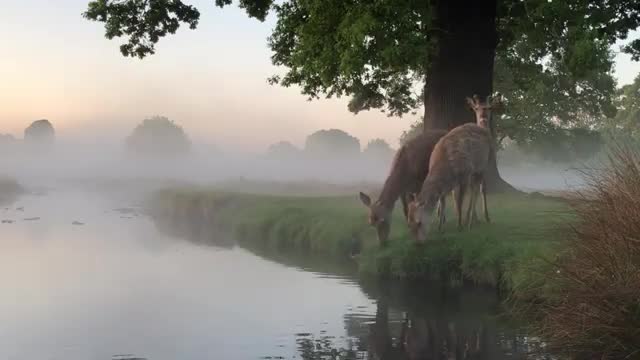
[[459, 160], [407, 173]]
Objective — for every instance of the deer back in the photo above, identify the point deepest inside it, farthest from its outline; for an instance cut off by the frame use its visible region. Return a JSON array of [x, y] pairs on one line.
[[419, 153], [464, 150]]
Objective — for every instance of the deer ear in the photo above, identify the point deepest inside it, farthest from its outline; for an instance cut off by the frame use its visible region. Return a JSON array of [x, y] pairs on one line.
[[366, 200], [471, 103]]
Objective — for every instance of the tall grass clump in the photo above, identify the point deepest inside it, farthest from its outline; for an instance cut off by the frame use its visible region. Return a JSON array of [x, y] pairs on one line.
[[594, 312]]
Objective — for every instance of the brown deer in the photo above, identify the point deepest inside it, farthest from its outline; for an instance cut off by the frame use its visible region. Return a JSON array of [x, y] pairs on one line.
[[407, 173], [458, 161]]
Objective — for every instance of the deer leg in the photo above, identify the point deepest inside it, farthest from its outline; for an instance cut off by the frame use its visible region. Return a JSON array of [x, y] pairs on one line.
[[483, 187], [444, 209], [441, 208], [405, 205], [453, 197], [475, 180], [458, 195], [473, 195], [474, 212]]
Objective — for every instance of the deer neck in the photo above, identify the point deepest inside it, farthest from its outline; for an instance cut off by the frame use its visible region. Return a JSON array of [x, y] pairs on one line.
[[396, 182], [436, 185]]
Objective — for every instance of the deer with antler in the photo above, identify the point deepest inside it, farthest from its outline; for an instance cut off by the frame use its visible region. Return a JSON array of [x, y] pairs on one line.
[[459, 160]]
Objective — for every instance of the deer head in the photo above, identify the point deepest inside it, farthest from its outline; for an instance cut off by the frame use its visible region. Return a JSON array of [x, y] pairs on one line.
[[379, 217], [483, 110], [418, 218]]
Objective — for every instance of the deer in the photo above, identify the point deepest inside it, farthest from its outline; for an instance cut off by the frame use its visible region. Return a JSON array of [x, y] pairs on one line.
[[459, 160], [408, 171]]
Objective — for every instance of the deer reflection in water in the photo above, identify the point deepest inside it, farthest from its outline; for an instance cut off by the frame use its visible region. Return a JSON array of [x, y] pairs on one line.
[[423, 338], [439, 323]]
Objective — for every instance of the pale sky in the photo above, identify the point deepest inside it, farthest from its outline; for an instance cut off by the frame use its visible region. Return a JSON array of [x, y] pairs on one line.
[[212, 81]]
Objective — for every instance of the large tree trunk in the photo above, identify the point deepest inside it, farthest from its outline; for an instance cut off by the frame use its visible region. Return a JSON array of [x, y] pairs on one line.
[[461, 66]]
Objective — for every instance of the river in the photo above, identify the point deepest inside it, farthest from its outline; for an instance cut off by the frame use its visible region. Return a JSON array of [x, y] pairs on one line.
[[87, 276]]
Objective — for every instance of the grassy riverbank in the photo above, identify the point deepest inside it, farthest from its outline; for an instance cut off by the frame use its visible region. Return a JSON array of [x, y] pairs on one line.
[[524, 228]]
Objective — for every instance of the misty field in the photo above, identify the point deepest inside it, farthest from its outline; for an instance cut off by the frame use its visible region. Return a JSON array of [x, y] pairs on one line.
[[525, 229]]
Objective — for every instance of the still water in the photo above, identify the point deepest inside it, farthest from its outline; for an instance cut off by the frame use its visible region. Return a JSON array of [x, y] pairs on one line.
[[86, 276]]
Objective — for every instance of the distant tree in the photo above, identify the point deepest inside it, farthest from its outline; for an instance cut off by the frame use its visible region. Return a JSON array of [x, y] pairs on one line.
[[157, 137], [378, 149], [8, 144], [627, 119], [7, 139], [414, 130], [564, 145], [9, 189], [40, 133], [332, 143], [283, 150]]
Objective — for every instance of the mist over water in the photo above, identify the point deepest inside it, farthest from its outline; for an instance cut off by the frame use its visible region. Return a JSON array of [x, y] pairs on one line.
[[206, 165], [89, 276], [117, 286]]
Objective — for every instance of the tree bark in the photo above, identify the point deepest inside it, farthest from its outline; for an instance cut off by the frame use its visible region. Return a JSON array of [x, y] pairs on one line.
[[461, 65]]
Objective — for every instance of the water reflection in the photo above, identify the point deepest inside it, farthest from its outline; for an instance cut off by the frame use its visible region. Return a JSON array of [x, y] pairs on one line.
[[438, 323], [193, 223], [117, 286], [398, 331], [411, 320]]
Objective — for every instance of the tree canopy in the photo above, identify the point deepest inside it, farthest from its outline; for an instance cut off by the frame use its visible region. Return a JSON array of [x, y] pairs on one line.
[[283, 150], [627, 119], [379, 150], [332, 143], [7, 144], [40, 132], [7, 139], [553, 60], [158, 137]]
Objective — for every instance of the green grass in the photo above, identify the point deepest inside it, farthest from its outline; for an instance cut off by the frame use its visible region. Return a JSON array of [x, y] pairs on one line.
[[525, 230]]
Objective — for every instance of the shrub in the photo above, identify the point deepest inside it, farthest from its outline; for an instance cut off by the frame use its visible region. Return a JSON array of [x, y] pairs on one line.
[[594, 311]]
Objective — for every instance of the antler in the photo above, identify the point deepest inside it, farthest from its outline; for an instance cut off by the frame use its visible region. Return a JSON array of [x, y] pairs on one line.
[[473, 102]]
